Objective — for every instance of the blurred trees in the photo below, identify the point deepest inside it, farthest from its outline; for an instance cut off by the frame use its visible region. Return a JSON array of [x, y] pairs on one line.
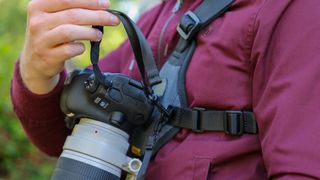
[[18, 158]]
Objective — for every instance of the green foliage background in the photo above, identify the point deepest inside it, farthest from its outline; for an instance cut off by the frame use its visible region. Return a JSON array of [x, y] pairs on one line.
[[19, 159]]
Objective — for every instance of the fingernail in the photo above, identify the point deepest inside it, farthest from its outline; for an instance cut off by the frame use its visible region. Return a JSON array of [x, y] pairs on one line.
[[81, 48], [78, 48], [99, 35], [114, 20], [103, 3]]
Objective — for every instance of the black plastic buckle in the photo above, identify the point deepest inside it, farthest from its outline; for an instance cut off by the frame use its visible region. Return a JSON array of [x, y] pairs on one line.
[[233, 123], [186, 34], [198, 122]]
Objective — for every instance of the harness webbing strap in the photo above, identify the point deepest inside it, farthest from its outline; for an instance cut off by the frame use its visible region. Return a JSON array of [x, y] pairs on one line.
[[199, 120]]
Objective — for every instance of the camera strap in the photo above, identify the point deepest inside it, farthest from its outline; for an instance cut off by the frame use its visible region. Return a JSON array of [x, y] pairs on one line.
[[142, 52], [94, 57]]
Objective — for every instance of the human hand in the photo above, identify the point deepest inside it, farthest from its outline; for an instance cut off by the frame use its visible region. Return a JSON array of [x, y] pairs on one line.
[[52, 34]]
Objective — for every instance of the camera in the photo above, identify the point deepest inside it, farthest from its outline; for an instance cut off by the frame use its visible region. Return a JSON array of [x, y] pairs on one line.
[[103, 118], [112, 115]]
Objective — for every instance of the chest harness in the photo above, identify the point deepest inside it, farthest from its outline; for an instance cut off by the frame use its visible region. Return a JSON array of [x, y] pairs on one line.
[[167, 87]]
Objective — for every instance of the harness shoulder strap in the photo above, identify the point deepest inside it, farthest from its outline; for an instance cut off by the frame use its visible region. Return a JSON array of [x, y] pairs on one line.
[[190, 24], [199, 120]]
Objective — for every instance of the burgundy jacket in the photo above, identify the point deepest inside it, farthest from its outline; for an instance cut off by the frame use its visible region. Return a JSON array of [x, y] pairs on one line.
[[262, 55]]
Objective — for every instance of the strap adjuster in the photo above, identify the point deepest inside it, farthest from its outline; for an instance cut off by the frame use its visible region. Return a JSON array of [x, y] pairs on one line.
[[233, 123], [199, 128], [189, 22]]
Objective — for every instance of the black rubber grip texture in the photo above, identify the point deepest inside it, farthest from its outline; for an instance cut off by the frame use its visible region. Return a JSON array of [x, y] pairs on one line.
[[70, 169]]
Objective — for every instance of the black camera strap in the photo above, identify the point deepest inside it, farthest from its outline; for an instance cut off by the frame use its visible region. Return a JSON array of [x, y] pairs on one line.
[[94, 57], [142, 52]]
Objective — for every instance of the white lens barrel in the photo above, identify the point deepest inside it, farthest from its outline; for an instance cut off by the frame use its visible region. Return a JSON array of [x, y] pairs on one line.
[[98, 144]]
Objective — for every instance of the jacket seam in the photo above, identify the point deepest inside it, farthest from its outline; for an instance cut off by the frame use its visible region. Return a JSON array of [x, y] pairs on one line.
[[249, 39], [250, 32]]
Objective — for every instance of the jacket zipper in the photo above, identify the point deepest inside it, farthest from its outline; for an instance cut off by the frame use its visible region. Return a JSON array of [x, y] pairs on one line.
[[175, 9]]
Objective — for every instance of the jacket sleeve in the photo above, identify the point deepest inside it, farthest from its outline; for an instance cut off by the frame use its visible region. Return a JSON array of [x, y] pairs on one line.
[[40, 115], [286, 86]]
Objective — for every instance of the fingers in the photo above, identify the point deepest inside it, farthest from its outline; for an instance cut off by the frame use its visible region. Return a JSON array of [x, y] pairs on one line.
[[81, 17], [55, 26], [46, 63], [58, 5], [69, 33], [66, 51]]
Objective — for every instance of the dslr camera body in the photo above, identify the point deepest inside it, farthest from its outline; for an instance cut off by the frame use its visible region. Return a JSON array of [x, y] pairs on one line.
[[98, 145], [111, 115]]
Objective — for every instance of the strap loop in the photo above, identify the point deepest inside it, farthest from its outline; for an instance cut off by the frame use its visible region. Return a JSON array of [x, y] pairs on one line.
[[142, 52], [199, 124], [233, 123]]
